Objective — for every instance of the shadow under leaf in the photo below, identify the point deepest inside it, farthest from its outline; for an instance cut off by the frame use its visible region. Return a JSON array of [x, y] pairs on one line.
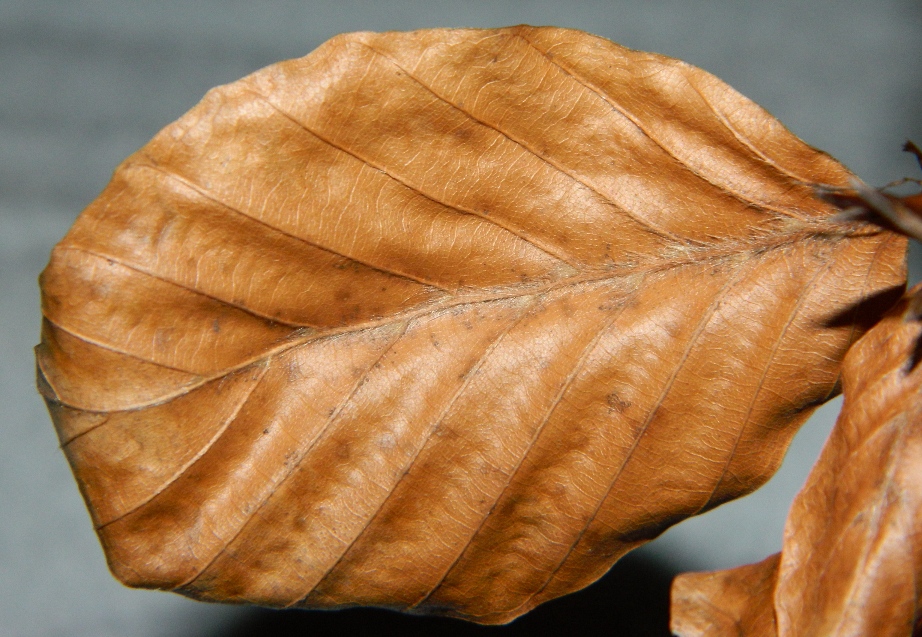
[[866, 312], [632, 599]]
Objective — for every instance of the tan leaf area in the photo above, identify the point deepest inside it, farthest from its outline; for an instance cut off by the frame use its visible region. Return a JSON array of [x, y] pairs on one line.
[[445, 321], [850, 564], [736, 601]]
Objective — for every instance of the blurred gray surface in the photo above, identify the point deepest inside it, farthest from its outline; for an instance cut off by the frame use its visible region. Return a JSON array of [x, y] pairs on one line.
[[85, 83]]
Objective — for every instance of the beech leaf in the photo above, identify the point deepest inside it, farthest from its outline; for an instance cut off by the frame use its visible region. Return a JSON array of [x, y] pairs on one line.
[[736, 601], [851, 563], [445, 321]]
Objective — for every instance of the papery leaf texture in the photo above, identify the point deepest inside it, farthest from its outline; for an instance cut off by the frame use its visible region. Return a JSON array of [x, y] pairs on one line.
[[445, 321], [735, 601], [851, 563]]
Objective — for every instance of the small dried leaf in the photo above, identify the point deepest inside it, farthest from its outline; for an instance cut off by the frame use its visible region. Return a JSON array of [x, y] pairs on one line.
[[851, 562], [445, 321], [736, 601]]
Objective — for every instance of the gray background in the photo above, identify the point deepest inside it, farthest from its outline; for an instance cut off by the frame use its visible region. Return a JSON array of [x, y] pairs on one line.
[[84, 83]]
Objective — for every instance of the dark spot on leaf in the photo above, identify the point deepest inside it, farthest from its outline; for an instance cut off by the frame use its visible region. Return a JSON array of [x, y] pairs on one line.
[[616, 403]]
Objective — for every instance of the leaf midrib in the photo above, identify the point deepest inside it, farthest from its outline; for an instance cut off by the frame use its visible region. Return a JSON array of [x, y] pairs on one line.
[[715, 254]]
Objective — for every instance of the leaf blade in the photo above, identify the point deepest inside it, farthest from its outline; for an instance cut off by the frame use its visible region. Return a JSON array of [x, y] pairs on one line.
[[849, 563], [474, 310]]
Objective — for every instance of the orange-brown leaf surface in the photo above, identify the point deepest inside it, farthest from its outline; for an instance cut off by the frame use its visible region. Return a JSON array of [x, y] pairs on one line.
[[736, 601], [445, 321], [851, 563]]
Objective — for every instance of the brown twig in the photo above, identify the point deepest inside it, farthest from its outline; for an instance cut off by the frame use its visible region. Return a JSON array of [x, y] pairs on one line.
[[861, 202], [910, 147]]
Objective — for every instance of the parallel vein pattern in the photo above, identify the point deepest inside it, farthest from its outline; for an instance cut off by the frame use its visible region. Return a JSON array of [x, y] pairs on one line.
[[444, 321], [849, 564]]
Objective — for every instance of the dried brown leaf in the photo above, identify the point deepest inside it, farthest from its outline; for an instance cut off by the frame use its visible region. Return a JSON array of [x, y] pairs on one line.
[[445, 321], [851, 562], [736, 601]]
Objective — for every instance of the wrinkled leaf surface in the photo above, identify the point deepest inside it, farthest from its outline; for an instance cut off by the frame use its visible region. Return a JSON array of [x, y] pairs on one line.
[[851, 563], [445, 321], [736, 601]]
